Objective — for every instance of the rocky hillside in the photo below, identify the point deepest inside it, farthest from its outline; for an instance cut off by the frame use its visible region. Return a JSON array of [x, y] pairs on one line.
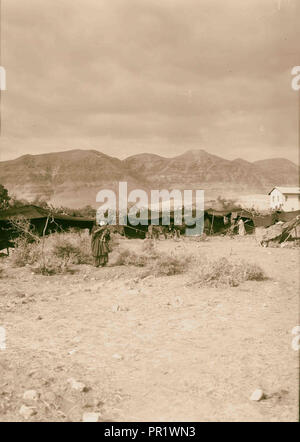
[[70, 178], [74, 177]]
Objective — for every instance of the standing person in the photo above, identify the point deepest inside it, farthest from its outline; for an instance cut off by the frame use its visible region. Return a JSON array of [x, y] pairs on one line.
[[100, 245], [177, 233], [242, 230]]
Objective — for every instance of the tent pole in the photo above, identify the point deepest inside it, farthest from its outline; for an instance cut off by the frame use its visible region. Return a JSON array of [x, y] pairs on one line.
[[212, 223]]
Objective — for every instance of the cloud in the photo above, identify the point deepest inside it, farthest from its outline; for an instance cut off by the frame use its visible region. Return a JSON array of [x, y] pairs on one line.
[[132, 76]]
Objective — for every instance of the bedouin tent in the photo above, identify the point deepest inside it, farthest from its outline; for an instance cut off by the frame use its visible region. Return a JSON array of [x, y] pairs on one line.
[[219, 221], [272, 218], [287, 216], [214, 222], [41, 220]]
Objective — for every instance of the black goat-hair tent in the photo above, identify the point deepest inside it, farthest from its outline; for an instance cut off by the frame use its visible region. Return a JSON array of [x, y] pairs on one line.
[[40, 219]]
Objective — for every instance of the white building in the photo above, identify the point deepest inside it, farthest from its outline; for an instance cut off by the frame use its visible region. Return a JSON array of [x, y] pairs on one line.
[[285, 198]]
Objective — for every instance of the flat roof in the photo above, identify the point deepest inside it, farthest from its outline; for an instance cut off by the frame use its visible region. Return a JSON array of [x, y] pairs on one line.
[[287, 190]]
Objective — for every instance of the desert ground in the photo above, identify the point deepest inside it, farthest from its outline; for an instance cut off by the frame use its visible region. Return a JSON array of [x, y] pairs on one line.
[[153, 348]]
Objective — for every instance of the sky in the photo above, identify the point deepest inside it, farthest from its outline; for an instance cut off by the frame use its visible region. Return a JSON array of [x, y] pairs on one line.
[[161, 76]]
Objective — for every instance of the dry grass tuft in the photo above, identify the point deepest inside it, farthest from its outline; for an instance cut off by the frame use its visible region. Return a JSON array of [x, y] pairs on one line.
[[226, 272], [25, 252], [128, 257], [167, 265], [52, 254], [155, 263], [149, 246]]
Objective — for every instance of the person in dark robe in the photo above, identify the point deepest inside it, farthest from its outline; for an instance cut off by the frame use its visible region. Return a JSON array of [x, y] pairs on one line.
[[100, 245]]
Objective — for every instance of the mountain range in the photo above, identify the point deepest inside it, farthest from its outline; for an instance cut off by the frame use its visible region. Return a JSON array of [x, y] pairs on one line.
[[73, 178]]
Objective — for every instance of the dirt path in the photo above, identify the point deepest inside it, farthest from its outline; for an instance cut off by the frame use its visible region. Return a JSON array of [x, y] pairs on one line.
[[155, 348]]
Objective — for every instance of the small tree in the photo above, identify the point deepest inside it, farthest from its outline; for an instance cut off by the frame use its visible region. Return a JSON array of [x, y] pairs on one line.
[[4, 198]]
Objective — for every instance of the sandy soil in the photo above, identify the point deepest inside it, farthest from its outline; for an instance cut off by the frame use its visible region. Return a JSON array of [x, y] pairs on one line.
[[152, 349]]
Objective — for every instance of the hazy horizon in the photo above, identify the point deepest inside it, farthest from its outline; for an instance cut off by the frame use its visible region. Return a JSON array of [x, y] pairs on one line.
[[144, 153]]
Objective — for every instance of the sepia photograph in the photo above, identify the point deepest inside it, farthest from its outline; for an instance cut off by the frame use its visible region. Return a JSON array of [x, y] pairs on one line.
[[149, 213]]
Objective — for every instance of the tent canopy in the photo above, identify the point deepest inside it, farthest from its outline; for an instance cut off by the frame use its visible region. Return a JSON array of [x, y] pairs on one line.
[[38, 218]]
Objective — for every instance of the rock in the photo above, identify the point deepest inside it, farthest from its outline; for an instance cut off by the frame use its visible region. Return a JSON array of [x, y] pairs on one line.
[[118, 308], [27, 412], [257, 395], [71, 352], [78, 386], [117, 357], [90, 417], [31, 395]]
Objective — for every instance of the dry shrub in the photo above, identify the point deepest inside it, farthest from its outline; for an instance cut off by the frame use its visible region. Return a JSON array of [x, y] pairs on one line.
[[20, 256], [167, 265], [66, 252], [225, 272], [25, 252], [74, 248], [155, 263], [49, 266], [54, 253], [127, 257], [115, 237], [148, 246]]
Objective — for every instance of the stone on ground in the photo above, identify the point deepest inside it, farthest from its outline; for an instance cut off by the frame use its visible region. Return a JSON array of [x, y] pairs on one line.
[[257, 395], [117, 356], [26, 412], [90, 417], [31, 395], [75, 385]]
